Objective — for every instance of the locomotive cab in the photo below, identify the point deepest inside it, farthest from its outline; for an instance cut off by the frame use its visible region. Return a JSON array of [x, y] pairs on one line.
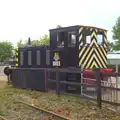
[[79, 46], [64, 42]]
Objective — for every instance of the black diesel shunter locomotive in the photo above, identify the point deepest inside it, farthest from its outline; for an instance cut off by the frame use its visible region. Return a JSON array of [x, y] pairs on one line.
[[70, 47]]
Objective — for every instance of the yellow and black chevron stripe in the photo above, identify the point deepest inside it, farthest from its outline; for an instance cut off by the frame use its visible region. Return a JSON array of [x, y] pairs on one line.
[[80, 37], [16, 56], [92, 55], [105, 41]]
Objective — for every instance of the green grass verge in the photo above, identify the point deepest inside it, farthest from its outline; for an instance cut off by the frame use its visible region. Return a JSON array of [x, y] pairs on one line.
[[68, 106]]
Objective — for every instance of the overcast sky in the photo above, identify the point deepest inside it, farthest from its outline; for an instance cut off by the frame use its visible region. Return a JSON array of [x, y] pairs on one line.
[[20, 19]]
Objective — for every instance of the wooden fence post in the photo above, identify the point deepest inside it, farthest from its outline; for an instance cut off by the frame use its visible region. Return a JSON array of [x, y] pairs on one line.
[[58, 83], [98, 80], [99, 89]]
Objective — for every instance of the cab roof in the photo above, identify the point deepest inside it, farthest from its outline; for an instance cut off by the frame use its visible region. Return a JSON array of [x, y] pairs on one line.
[[77, 26]]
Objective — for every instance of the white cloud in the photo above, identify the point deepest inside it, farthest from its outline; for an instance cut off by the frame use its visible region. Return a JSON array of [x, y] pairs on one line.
[[24, 18]]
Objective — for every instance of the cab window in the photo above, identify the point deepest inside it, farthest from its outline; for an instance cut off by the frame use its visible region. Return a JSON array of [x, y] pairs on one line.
[[71, 39], [60, 39], [88, 39], [99, 39]]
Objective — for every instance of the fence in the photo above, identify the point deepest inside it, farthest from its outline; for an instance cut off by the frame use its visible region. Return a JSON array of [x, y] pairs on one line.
[[111, 91], [105, 91]]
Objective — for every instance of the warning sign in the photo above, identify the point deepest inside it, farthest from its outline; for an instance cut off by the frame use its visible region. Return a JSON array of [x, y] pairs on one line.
[[56, 58]]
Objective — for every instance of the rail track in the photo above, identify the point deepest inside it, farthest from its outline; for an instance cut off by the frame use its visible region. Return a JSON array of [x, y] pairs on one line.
[[57, 116], [45, 111], [3, 118]]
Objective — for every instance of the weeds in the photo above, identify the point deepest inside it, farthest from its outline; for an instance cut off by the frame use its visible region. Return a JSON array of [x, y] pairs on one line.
[[69, 106]]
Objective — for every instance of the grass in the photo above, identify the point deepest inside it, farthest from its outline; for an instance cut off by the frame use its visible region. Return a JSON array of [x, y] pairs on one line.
[[68, 106]]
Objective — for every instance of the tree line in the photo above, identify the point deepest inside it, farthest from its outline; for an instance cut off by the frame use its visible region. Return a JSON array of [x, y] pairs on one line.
[[43, 40], [7, 49]]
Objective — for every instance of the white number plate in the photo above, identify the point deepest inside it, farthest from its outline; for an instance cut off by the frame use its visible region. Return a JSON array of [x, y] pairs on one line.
[[56, 63]]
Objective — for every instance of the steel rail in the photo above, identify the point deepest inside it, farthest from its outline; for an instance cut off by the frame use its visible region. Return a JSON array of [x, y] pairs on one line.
[[3, 118], [46, 111]]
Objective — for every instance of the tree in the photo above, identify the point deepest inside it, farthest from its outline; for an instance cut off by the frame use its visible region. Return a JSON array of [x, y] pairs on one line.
[[116, 34], [6, 50], [21, 42], [110, 46], [43, 40], [36, 42]]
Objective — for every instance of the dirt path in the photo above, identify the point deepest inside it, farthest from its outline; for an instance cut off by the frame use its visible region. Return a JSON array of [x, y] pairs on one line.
[[3, 81], [3, 77]]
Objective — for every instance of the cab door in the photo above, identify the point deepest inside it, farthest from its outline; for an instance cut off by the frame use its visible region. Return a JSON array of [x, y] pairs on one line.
[[72, 56]]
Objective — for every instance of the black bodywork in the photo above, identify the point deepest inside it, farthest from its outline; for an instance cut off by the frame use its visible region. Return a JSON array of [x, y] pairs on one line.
[[62, 52], [67, 52]]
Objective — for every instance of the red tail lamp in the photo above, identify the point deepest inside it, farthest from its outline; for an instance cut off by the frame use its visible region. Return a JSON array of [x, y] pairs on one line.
[[106, 70]]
